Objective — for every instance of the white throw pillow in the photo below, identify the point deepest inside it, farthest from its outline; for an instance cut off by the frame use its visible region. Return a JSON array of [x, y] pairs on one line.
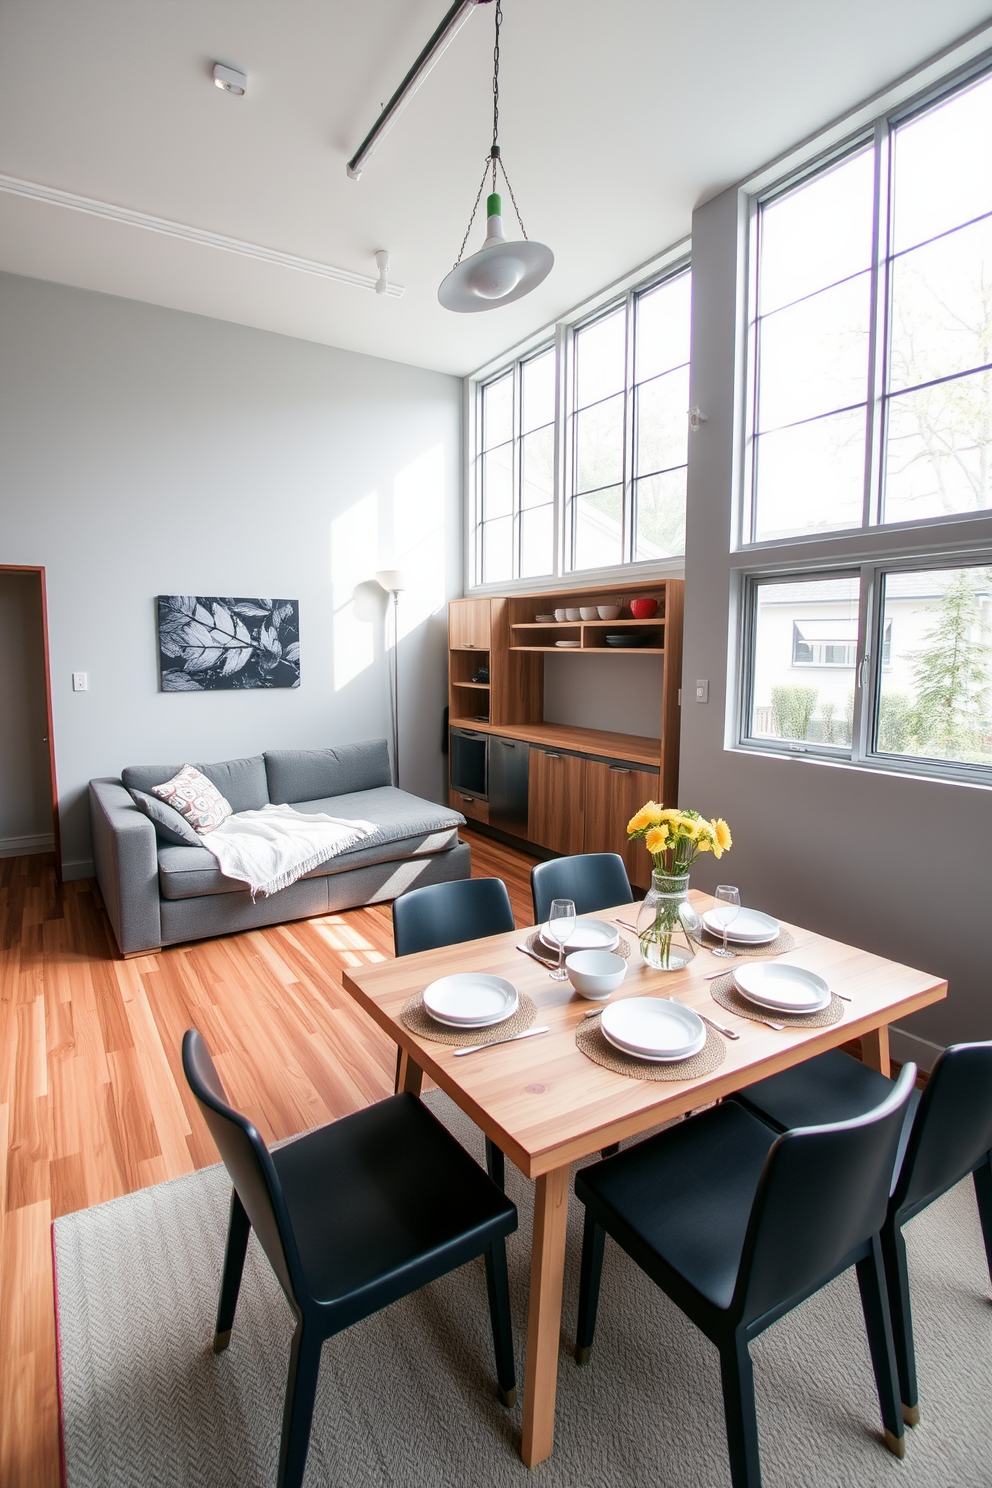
[[195, 798]]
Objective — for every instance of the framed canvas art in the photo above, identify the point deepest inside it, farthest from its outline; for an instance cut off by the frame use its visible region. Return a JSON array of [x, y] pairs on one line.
[[206, 642]]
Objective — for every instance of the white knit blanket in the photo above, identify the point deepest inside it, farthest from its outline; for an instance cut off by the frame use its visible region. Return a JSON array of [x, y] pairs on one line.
[[271, 848]]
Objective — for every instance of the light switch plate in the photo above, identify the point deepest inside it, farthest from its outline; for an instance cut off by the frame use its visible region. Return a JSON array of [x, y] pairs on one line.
[[80, 682], [702, 690]]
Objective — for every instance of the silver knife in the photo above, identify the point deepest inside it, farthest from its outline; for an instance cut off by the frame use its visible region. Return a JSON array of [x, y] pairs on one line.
[[527, 1033]]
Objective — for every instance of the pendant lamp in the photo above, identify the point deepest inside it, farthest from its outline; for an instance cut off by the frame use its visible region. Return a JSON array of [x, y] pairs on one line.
[[501, 271]]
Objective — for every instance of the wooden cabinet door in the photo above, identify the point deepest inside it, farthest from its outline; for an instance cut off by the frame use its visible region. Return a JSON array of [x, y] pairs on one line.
[[612, 794], [554, 808], [468, 624]]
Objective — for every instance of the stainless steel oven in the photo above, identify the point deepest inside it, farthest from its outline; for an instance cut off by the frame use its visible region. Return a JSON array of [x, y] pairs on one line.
[[470, 763]]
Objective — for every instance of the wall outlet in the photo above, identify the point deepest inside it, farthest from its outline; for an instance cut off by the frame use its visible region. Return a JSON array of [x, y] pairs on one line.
[[80, 682], [702, 690]]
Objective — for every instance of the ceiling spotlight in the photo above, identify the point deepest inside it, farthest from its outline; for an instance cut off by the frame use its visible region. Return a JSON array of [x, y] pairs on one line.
[[499, 272], [230, 79], [382, 264]]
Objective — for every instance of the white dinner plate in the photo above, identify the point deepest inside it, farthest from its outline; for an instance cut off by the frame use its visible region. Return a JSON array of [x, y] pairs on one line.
[[588, 935], [783, 989], [470, 999], [748, 927], [653, 1028]]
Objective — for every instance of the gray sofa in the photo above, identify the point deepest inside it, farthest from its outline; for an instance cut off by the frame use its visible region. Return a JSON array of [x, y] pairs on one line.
[[158, 894]]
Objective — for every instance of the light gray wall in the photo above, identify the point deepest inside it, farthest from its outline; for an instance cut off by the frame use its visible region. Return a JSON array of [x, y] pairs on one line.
[[146, 451], [896, 865], [586, 690], [25, 780]]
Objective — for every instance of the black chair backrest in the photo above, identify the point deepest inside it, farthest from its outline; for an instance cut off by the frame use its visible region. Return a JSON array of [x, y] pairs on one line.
[[446, 913], [247, 1160], [953, 1125], [591, 880], [823, 1191]]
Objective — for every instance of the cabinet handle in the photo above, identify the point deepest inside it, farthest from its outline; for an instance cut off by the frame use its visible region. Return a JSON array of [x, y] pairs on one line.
[[551, 756], [619, 770], [508, 744], [469, 645]]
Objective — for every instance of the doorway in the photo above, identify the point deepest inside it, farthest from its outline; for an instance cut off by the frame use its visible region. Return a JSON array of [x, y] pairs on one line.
[[29, 820]]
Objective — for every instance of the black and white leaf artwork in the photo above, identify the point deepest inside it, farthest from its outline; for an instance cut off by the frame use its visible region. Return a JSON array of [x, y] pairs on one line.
[[205, 642]]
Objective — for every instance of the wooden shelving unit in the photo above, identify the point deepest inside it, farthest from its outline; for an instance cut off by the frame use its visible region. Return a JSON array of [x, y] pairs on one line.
[[585, 783]]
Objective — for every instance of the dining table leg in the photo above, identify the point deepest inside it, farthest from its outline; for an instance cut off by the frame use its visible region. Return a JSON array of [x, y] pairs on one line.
[[409, 1075], [875, 1050], [547, 1270]]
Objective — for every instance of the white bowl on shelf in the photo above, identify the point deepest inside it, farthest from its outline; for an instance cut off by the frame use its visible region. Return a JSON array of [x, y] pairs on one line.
[[573, 614], [608, 612], [595, 974], [588, 612], [561, 614]]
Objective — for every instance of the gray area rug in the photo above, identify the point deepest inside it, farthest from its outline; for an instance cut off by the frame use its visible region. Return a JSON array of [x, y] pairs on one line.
[[407, 1399]]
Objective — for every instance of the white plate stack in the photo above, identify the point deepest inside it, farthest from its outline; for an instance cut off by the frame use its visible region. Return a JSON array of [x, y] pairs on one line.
[[748, 927], [588, 935], [653, 1028], [782, 989], [470, 999]]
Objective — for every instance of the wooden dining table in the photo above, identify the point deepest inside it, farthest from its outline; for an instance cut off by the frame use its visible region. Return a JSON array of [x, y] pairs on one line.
[[546, 1104]]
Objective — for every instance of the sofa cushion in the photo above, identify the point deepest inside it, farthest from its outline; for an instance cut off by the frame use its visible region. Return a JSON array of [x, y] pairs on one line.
[[170, 827], [242, 782], [312, 774], [406, 827], [196, 798]]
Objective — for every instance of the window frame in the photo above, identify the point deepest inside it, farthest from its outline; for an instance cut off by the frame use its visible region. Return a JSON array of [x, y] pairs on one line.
[[877, 135], [870, 663], [671, 263]]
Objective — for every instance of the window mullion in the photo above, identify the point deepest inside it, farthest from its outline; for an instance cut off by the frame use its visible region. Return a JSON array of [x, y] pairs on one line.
[[878, 333], [629, 536], [864, 676]]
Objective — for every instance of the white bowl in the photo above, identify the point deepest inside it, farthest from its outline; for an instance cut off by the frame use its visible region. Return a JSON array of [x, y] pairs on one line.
[[561, 615], [573, 614], [588, 612], [595, 974], [608, 612]]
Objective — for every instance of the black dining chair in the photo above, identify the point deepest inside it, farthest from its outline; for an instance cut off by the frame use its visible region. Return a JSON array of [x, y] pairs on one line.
[[351, 1217], [446, 914], [947, 1135], [738, 1224], [591, 880]]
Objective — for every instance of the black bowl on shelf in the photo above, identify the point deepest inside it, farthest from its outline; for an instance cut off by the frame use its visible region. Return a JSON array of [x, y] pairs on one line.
[[626, 638]]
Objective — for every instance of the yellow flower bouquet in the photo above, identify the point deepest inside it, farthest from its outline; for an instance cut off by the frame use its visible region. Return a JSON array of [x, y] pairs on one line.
[[667, 926]]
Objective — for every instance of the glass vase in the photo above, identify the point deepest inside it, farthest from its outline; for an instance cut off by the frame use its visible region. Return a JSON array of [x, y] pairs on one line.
[[668, 928]]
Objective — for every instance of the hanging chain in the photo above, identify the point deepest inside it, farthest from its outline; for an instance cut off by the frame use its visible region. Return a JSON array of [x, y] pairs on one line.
[[478, 198], [499, 22], [494, 158]]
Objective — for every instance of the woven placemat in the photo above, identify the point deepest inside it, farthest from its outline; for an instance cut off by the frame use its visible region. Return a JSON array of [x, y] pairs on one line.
[[589, 1037], [782, 942], [536, 944], [419, 1021], [725, 993]]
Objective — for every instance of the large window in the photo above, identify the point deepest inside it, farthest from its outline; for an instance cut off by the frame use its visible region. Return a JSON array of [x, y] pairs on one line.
[[515, 515], [598, 478], [629, 430], [872, 330], [921, 694]]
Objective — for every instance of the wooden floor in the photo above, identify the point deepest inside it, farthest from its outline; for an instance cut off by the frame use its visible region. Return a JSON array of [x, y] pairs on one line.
[[92, 1099]]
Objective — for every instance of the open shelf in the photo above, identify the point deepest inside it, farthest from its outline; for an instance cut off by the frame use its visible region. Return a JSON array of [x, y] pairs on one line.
[[483, 685], [639, 749]]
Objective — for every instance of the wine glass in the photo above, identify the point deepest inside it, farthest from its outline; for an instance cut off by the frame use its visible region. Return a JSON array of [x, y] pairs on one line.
[[561, 923], [726, 911]]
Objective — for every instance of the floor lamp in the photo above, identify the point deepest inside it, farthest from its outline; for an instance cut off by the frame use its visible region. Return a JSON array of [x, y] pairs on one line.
[[391, 580]]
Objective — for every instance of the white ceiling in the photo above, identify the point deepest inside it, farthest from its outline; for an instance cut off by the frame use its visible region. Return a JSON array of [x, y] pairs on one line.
[[616, 120]]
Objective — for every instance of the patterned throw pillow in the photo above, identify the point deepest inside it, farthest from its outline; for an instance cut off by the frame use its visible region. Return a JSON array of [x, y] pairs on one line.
[[192, 795]]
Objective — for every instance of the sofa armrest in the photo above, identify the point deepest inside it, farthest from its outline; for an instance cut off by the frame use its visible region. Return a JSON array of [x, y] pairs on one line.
[[125, 851]]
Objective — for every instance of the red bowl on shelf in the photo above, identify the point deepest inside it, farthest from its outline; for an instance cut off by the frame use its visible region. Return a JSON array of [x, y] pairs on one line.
[[643, 609]]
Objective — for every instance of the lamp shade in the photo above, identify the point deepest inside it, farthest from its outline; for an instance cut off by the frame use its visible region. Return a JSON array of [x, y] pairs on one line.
[[390, 579], [499, 273]]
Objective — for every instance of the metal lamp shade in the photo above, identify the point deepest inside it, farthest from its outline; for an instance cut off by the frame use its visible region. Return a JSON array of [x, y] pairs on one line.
[[499, 273]]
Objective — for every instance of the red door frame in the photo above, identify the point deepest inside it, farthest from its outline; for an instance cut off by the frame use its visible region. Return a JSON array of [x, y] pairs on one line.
[[38, 569]]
